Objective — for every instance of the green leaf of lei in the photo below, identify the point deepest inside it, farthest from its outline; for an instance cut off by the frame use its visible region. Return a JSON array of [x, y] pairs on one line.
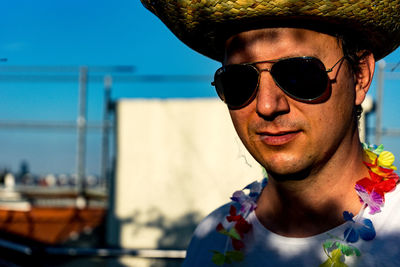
[[328, 244], [346, 250], [235, 255], [234, 234], [220, 259], [379, 149]]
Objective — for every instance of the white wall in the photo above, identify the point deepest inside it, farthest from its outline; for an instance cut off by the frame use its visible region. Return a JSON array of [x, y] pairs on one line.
[[174, 157]]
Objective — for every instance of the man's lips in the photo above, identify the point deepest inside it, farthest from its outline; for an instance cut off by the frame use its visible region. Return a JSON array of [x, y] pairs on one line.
[[278, 138]]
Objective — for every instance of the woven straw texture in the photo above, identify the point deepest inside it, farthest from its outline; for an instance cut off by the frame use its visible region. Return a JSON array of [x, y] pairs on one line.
[[204, 25]]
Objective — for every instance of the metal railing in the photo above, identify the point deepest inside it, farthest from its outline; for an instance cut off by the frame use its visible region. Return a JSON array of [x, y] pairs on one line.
[[65, 74]]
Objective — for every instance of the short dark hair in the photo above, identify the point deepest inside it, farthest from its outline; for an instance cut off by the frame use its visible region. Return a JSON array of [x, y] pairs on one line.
[[354, 53]]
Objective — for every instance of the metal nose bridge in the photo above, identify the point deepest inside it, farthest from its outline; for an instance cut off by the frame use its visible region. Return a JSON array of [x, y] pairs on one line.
[[262, 70], [265, 70]]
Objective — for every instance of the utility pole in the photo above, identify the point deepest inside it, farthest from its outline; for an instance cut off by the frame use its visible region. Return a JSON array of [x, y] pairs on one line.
[[81, 126], [106, 130]]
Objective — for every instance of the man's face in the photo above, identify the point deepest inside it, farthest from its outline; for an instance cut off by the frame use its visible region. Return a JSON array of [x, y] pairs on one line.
[[284, 135]]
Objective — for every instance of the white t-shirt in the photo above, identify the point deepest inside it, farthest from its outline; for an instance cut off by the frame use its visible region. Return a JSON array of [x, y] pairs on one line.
[[264, 248]]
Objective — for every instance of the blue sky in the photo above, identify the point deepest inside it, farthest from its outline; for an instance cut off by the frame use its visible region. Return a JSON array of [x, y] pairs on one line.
[[101, 32]]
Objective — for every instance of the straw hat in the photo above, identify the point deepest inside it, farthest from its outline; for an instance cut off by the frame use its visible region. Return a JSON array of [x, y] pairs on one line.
[[204, 25]]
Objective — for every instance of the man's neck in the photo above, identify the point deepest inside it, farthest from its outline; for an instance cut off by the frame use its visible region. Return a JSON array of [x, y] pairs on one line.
[[315, 204]]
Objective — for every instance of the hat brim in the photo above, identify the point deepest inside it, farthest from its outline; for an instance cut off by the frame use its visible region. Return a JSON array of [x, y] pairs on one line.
[[205, 25]]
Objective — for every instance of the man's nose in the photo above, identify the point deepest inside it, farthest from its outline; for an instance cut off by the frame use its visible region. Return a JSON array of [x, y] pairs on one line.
[[271, 100]]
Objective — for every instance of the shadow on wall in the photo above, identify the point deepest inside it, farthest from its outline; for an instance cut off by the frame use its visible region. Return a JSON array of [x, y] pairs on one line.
[[176, 234]]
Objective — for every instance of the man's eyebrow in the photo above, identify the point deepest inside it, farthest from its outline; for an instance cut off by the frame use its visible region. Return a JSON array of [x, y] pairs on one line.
[[235, 43]]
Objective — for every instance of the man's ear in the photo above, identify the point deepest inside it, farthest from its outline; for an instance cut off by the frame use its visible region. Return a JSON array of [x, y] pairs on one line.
[[363, 77]]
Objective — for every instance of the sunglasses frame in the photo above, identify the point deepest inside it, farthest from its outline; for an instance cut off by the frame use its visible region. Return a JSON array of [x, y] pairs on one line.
[[316, 99]]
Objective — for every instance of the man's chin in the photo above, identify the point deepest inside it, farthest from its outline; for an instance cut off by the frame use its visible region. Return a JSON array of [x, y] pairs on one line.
[[289, 175]]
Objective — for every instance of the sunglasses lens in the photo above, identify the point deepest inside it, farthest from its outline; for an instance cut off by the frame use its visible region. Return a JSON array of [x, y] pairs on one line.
[[236, 84], [302, 78]]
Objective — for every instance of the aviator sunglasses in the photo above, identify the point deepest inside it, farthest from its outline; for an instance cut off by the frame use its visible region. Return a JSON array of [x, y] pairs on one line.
[[304, 79]]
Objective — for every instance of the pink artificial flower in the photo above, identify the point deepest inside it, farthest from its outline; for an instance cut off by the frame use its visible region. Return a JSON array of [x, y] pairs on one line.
[[374, 200], [247, 203]]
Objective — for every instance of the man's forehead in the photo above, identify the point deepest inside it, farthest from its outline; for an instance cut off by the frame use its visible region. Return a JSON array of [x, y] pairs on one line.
[[241, 41]]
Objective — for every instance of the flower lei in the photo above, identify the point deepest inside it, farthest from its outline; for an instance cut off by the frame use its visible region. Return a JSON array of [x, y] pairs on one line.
[[371, 191]]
